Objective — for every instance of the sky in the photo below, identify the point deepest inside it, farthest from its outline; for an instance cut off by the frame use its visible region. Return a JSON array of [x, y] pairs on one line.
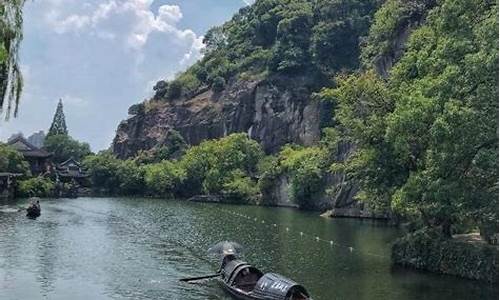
[[101, 56]]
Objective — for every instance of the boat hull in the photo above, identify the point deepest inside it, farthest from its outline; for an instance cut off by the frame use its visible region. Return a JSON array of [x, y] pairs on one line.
[[238, 294], [33, 212]]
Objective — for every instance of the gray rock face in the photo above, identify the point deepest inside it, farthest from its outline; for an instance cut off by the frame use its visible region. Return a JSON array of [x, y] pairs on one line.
[[384, 63], [275, 111]]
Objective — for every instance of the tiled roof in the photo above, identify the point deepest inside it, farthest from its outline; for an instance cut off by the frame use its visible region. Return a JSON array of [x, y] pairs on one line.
[[27, 149]]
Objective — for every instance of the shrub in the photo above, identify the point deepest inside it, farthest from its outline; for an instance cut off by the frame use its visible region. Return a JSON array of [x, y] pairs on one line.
[[211, 164], [12, 161], [164, 179], [131, 178], [239, 188], [307, 169], [427, 249], [36, 187], [218, 84], [103, 170], [174, 90], [160, 89]]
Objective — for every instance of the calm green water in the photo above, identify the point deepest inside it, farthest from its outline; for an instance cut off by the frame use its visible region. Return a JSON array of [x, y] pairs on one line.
[[120, 248]]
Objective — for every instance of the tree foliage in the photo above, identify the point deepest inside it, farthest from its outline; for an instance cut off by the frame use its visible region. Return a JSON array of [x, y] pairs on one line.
[[103, 170], [12, 161], [164, 178], [291, 37], [64, 147], [210, 165], [305, 167], [11, 81], [224, 167], [36, 187], [391, 24], [428, 137]]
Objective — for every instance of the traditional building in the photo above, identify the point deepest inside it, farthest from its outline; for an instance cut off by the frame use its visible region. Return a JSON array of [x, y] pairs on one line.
[[70, 170], [36, 157]]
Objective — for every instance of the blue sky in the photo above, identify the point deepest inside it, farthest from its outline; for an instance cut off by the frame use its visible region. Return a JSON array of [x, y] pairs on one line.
[[101, 56]]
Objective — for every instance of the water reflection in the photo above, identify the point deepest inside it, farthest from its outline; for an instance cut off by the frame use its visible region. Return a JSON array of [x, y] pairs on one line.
[[104, 248]]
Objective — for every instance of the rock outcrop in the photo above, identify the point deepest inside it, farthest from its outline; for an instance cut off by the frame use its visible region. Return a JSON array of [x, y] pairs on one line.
[[274, 111]]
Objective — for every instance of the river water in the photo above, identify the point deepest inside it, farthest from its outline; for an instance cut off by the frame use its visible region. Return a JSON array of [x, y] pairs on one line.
[[125, 248]]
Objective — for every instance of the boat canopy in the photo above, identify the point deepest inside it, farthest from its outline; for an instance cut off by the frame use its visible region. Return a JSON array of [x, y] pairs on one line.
[[235, 268], [276, 287]]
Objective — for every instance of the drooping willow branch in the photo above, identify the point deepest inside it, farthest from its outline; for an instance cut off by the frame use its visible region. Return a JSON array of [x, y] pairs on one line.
[[11, 81]]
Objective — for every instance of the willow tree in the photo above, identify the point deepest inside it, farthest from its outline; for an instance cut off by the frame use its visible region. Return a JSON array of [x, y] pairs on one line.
[[11, 81]]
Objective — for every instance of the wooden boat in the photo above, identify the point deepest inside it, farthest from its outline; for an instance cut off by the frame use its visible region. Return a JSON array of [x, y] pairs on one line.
[[33, 210], [244, 281]]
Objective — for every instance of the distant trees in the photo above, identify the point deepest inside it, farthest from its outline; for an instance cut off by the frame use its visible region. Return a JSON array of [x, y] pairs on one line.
[[337, 35], [279, 37], [222, 167], [60, 143], [64, 147]]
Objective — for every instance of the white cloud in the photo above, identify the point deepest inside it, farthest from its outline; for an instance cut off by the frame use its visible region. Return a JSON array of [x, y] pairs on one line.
[[195, 52], [82, 51], [72, 22], [131, 20]]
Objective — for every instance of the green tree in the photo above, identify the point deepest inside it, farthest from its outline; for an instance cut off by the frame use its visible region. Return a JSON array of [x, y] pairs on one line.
[[291, 51], [306, 167], [103, 169], [427, 139], [12, 161], [238, 187], [338, 33], [64, 147], [36, 187], [392, 23], [164, 179], [58, 126], [160, 89], [211, 164], [218, 84], [130, 176]]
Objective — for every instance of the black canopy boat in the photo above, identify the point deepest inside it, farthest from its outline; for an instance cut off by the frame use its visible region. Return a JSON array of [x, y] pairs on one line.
[[246, 282], [33, 211]]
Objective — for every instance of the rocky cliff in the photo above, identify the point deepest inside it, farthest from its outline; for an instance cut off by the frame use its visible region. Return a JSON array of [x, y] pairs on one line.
[[274, 111]]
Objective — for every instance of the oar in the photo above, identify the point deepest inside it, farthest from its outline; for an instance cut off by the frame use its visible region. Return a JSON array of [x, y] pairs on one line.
[[199, 278]]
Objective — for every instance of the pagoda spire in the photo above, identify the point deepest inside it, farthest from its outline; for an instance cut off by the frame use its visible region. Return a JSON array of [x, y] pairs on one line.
[[58, 125]]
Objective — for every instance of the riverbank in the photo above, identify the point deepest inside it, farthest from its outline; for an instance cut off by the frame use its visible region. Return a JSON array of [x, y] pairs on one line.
[[428, 250]]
